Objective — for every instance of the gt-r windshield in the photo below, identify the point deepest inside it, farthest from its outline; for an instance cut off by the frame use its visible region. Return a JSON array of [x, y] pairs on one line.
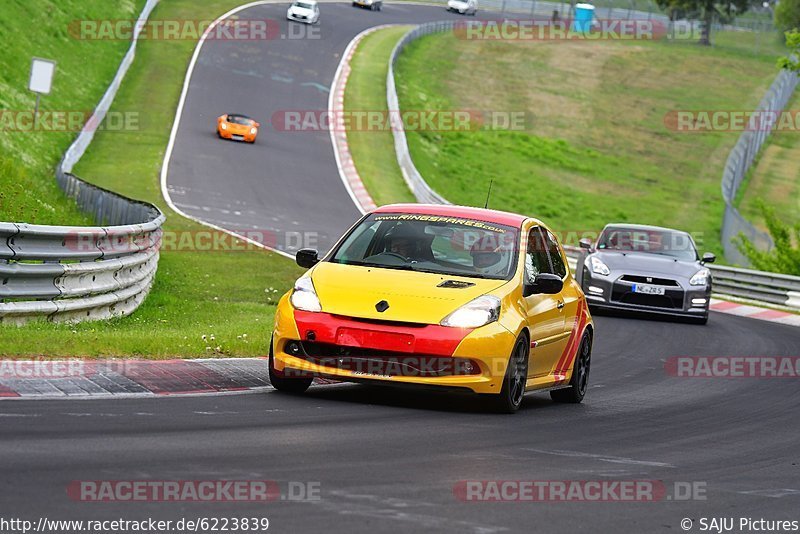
[[648, 240], [236, 119], [302, 5], [431, 243]]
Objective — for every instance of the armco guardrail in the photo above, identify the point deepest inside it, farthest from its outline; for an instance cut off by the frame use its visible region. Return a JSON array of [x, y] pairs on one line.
[[75, 273], [758, 286], [422, 191], [739, 162], [773, 288]]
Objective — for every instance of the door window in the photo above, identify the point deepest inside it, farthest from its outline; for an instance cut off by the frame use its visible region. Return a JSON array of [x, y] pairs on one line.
[[536, 260], [557, 260]]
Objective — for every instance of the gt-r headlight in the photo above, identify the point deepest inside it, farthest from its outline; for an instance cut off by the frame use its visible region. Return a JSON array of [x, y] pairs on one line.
[[304, 296], [253, 130], [700, 278], [223, 126], [478, 312], [598, 267]]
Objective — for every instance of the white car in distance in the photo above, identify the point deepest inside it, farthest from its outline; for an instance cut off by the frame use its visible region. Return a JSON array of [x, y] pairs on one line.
[[304, 11], [465, 7]]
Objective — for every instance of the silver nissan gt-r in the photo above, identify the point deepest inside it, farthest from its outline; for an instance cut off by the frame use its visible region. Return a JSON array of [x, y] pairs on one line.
[[646, 269]]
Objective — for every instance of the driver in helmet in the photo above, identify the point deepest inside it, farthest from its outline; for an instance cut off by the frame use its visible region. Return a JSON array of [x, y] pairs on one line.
[[403, 240], [487, 260]]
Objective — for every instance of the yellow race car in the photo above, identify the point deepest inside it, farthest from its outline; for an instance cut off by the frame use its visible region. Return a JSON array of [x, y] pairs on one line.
[[443, 296]]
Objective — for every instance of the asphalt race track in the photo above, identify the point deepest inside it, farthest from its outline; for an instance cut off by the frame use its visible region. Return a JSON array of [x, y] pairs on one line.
[[385, 459], [286, 185]]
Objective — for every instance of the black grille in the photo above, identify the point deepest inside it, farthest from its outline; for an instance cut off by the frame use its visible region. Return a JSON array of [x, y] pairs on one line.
[[671, 299], [381, 322], [384, 362], [634, 279], [641, 299]]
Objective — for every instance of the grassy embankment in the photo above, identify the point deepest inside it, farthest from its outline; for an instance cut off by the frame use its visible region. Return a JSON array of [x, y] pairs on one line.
[[230, 295], [596, 147]]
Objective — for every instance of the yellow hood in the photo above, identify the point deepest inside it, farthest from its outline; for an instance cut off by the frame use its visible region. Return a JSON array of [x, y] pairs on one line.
[[414, 297]]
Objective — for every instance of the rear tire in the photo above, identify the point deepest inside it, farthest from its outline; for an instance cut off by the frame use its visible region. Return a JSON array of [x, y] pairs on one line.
[[284, 384], [579, 382], [513, 391]]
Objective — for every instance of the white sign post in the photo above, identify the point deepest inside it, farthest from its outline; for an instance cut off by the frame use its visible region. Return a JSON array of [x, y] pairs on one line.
[[42, 71]]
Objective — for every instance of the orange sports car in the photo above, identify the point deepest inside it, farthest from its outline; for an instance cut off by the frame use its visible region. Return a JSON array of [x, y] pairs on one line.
[[237, 128]]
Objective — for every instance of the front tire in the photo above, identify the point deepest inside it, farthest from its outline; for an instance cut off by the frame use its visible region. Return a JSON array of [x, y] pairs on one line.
[[579, 382], [513, 391], [284, 384]]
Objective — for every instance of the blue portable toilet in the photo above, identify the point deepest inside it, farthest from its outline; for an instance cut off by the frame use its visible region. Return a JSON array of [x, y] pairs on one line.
[[584, 15]]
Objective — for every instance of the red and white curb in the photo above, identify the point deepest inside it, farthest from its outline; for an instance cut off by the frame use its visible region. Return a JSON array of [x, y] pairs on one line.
[[754, 312], [92, 379], [344, 159]]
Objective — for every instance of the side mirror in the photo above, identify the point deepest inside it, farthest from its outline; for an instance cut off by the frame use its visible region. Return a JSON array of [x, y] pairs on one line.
[[709, 258], [545, 284], [306, 258], [586, 243], [258, 125]]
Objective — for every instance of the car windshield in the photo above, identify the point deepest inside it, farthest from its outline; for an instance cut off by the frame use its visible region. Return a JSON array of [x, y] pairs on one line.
[[648, 240], [302, 5], [432, 243], [238, 119]]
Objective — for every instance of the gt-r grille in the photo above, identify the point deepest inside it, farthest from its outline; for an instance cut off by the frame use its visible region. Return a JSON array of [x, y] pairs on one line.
[[656, 301], [383, 362], [649, 280], [671, 299]]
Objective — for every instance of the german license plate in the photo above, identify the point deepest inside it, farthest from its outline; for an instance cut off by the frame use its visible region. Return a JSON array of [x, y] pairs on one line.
[[238, 137], [647, 289]]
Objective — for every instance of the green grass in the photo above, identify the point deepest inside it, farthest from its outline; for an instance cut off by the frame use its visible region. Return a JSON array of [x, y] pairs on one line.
[[373, 151], [28, 191], [227, 294], [596, 148], [775, 178]]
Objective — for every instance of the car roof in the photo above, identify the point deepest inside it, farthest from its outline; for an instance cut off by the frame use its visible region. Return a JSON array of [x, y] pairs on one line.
[[448, 210], [642, 227]]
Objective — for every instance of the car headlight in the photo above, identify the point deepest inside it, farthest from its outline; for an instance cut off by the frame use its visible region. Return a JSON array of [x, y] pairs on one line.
[[700, 278], [223, 126], [304, 297], [598, 267], [253, 130], [478, 312]]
